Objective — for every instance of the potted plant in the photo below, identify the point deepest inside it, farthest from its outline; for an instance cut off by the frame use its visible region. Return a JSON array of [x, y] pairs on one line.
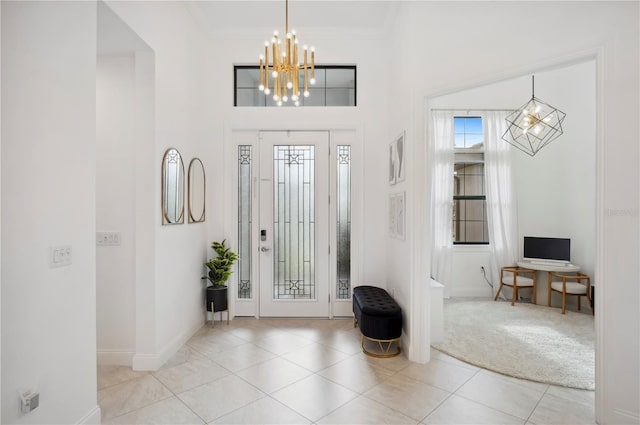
[[219, 272]]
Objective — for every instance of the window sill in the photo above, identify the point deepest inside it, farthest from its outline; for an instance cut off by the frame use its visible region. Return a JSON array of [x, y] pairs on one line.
[[472, 248]]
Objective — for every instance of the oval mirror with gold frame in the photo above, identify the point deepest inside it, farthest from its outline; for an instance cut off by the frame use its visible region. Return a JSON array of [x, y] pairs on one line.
[[196, 191], [172, 187]]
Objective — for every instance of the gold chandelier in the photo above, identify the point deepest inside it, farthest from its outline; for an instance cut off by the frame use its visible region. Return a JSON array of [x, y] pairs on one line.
[[285, 67]]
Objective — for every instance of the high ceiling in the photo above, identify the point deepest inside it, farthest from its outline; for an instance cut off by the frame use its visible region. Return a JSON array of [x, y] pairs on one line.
[[267, 15]]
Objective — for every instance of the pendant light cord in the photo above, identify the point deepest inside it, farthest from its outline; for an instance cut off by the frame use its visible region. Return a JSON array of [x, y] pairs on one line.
[[286, 14], [533, 85]]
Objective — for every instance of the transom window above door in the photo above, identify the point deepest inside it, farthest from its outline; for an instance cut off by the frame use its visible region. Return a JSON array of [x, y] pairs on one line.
[[335, 86]]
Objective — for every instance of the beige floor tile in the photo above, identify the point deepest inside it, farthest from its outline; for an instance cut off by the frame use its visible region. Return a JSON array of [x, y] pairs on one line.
[[408, 396], [131, 395], [345, 340], [263, 411], [537, 386], [283, 343], [439, 355], [184, 354], [314, 397], [501, 394], [394, 364], [190, 374], [459, 411], [219, 398], [166, 412], [242, 357], [257, 333], [215, 342], [581, 396], [556, 410], [315, 357], [273, 375], [356, 374], [365, 411], [447, 376], [109, 375]]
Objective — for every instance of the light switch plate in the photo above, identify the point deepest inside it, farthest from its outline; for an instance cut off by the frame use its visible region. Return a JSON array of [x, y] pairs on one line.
[[60, 256], [108, 238]]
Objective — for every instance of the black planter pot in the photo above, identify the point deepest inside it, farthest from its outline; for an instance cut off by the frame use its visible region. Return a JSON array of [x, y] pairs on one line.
[[217, 296]]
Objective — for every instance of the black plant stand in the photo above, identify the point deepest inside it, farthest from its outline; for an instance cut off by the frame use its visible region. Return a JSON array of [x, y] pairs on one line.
[[216, 300]]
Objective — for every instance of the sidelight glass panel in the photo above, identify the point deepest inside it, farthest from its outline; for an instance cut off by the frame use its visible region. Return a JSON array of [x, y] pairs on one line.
[[294, 222], [343, 225], [244, 222]]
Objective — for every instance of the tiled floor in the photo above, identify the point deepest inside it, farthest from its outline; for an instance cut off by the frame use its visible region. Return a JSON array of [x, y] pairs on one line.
[[295, 371]]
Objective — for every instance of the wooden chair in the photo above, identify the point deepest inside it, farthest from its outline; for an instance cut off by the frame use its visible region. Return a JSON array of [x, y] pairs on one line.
[[570, 285], [517, 280]]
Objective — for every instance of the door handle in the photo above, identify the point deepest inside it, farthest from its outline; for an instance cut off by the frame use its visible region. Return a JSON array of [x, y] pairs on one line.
[[264, 249]]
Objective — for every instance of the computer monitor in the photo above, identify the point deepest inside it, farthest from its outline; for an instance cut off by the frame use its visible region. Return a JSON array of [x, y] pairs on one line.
[[547, 249]]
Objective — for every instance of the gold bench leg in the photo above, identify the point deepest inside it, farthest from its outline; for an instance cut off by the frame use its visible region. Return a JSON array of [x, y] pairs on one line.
[[386, 352]]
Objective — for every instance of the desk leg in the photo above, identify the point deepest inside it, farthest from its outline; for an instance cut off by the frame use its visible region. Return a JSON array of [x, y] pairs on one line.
[[549, 290]]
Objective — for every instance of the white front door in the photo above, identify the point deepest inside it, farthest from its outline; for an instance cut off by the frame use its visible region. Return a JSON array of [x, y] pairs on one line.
[[294, 224]]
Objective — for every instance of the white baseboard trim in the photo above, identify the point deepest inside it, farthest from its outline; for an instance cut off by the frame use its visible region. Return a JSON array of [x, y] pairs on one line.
[[153, 362], [145, 362], [115, 357], [405, 343], [93, 417], [471, 291], [621, 416]]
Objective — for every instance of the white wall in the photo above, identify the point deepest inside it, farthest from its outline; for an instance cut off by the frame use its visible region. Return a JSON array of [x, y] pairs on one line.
[[48, 191], [368, 119], [555, 190], [182, 121], [455, 46], [115, 208]]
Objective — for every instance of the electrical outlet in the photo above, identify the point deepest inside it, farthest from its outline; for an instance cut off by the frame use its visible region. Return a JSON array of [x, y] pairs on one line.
[[29, 400]]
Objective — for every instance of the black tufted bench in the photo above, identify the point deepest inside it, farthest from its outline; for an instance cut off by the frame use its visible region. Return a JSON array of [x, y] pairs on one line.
[[379, 318]]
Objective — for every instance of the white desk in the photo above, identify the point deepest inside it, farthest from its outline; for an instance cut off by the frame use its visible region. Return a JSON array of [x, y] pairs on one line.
[[548, 267]]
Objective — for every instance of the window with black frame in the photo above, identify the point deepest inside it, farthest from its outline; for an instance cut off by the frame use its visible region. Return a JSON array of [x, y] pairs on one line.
[[335, 86], [469, 196]]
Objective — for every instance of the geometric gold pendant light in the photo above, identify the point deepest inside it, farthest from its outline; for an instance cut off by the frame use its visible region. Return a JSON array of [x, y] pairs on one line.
[[281, 65], [534, 125]]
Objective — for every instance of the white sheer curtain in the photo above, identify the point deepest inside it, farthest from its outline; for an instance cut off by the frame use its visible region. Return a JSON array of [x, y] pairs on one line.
[[442, 196], [501, 200]]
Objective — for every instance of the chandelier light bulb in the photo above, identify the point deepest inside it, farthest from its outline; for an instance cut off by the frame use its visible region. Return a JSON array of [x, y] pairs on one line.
[[274, 74], [306, 93], [294, 97], [275, 33], [297, 103], [312, 81], [537, 129], [279, 103], [267, 91], [289, 85], [276, 98], [261, 87], [285, 98]]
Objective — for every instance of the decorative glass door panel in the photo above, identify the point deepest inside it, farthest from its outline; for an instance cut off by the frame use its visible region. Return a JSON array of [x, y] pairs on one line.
[[294, 206]]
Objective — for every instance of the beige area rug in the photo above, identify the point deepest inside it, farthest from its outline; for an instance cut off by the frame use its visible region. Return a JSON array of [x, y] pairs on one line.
[[527, 341]]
